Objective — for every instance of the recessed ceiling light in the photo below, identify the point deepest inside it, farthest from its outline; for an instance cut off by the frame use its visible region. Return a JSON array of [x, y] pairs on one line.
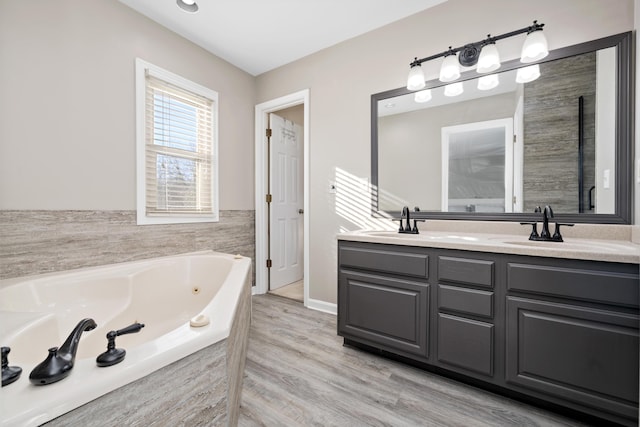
[[188, 5]]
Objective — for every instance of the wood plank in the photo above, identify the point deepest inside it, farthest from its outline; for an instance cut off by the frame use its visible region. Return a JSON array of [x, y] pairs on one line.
[[299, 373]]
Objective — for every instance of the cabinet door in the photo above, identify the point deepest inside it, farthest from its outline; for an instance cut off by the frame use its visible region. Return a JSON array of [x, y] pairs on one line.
[[584, 355], [465, 343], [387, 312]]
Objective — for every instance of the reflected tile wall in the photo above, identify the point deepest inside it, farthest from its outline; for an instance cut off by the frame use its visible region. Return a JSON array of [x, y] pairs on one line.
[[34, 242]]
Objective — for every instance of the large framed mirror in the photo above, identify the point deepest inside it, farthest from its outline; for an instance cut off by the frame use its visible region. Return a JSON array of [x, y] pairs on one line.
[[495, 152]]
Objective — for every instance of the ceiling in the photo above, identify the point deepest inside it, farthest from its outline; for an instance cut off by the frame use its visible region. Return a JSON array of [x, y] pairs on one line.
[[260, 35]]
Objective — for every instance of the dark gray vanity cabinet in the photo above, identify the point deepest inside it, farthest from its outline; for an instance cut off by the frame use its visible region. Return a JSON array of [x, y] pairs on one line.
[[572, 334], [384, 298], [465, 321], [556, 330]]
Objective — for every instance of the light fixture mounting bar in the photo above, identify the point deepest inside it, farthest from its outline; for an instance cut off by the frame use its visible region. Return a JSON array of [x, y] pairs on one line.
[[481, 43]]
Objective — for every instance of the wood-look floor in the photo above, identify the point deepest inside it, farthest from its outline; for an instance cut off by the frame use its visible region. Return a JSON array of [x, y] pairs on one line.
[[298, 373]]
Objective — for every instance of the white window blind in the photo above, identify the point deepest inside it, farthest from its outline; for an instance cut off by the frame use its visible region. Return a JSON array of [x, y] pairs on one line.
[[179, 178]]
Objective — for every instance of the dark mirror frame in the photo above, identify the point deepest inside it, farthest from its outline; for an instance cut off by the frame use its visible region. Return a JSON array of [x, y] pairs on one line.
[[624, 139]]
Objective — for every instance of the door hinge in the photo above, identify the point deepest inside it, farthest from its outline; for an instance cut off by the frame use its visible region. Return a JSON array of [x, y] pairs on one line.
[[514, 200], [514, 139], [268, 263], [268, 133], [269, 198]]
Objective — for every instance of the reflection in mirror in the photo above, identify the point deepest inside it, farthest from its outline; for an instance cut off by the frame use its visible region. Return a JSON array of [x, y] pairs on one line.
[[501, 146], [477, 167]]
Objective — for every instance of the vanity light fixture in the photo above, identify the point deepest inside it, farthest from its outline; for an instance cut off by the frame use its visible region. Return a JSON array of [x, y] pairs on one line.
[[188, 5], [416, 78], [535, 47], [422, 96], [453, 89], [483, 53], [450, 70], [489, 59], [488, 82]]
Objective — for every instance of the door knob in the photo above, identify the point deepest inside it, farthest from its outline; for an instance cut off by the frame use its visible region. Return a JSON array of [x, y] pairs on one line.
[[300, 211]]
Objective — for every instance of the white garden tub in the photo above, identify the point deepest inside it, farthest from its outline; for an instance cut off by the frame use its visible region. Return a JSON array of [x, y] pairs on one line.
[[165, 294]]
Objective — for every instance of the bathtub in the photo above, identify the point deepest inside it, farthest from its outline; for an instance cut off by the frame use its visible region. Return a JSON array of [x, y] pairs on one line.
[[169, 295]]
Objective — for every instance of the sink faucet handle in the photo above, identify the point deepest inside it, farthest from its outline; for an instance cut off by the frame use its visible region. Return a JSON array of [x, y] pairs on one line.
[[534, 230], [415, 225], [401, 228], [556, 234]]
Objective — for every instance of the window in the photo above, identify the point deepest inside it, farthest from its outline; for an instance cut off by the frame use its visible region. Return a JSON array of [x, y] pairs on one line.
[[177, 170]]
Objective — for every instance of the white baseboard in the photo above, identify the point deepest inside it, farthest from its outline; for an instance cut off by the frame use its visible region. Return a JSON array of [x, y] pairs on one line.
[[327, 307]]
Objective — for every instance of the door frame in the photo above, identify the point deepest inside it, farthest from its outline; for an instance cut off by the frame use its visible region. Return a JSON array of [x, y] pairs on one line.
[[261, 122]]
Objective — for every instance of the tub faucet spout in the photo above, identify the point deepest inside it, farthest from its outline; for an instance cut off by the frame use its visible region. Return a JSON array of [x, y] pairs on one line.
[[59, 362]]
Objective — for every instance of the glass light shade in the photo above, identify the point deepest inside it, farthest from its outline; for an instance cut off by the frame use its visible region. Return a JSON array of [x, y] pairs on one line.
[[528, 74], [453, 89], [489, 59], [534, 48], [488, 82], [422, 96], [416, 78], [450, 69]]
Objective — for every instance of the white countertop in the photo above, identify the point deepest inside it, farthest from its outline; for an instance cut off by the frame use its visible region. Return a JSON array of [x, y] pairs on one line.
[[572, 247]]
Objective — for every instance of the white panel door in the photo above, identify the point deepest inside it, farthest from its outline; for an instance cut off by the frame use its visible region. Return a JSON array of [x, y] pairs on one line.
[[287, 202]]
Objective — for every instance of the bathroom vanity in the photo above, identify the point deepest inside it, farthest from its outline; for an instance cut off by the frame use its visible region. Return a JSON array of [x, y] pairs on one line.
[[552, 324]]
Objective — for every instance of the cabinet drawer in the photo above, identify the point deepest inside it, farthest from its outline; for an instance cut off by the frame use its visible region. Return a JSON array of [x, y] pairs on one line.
[[389, 312], [461, 270], [388, 261], [581, 354], [465, 343], [464, 300], [607, 287]]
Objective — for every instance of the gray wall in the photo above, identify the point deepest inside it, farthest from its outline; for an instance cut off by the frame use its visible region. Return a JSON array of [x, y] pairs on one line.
[[67, 118], [342, 78], [67, 138]]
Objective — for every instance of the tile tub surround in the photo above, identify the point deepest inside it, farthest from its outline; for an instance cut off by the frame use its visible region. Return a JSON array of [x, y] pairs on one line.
[[35, 241], [203, 388]]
